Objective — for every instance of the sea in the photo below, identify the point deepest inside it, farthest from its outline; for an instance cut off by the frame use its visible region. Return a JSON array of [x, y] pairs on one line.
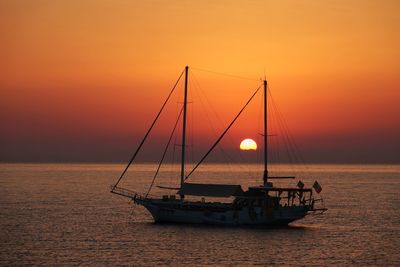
[[65, 215]]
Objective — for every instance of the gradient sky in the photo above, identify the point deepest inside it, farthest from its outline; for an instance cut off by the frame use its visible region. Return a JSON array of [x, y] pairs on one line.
[[82, 80]]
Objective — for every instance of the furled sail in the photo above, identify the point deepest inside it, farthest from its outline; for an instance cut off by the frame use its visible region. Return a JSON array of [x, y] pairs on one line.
[[210, 190]]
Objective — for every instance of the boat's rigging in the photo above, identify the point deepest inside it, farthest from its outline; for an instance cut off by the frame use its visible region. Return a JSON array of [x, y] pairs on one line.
[[274, 153], [200, 95], [229, 159], [267, 112], [290, 144], [148, 131], [222, 135], [191, 129], [165, 152], [259, 205], [283, 129], [292, 151], [183, 146]]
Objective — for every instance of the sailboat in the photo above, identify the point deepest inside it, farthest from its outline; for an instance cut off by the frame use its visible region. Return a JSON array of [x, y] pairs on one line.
[[258, 205]]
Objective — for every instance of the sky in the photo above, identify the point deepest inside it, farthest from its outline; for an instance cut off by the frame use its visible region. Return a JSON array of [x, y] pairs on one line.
[[83, 80]]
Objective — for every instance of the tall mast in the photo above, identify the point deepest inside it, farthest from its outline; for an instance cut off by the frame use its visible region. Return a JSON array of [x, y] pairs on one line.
[[265, 135], [184, 128]]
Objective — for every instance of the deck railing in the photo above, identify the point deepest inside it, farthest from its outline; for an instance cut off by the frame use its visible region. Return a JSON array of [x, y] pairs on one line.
[[125, 192]]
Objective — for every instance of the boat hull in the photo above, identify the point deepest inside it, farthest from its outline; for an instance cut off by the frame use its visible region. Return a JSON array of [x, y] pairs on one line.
[[220, 214]]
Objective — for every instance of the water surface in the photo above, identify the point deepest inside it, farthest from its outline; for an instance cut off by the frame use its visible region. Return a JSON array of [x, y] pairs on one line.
[[63, 214]]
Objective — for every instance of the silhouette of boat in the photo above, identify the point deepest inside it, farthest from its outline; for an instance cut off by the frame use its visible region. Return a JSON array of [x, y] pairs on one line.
[[262, 205]]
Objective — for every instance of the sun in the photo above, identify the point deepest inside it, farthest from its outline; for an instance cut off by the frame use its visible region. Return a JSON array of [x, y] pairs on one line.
[[248, 144]]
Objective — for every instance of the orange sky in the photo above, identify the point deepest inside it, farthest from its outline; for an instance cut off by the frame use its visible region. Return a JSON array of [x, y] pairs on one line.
[[81, 80]]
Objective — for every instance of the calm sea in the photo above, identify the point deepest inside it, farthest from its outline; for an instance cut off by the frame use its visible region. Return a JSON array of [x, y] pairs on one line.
[[63, 214]]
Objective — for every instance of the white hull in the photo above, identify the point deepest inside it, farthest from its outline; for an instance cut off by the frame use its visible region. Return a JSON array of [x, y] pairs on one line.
[[220, 214]]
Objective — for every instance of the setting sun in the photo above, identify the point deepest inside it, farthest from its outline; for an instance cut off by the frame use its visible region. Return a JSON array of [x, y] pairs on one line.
[[248, 144]]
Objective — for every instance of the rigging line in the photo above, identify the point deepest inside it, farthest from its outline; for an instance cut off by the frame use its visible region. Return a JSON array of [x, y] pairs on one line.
[[224, 153], [172, 169], [222, 135], [165, 151], [286, 130], [282, 130], [271, 141], [173, 160], [226, 74], [148, 132], [296, 150], [290, 150], [291, 139], [275, 140], [200, 91], [191, 126]]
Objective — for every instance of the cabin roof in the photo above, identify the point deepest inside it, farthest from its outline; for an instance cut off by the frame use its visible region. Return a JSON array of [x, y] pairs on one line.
[[210, 190]]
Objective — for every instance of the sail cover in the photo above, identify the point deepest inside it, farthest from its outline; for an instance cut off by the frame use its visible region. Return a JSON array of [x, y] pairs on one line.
[[210, 190]]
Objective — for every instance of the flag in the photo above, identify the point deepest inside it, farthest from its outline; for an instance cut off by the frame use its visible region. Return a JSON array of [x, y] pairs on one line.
[[317, 187], [300, 184]]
